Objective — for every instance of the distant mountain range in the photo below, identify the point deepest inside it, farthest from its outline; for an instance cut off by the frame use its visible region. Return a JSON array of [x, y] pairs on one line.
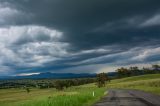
[[49, 75]]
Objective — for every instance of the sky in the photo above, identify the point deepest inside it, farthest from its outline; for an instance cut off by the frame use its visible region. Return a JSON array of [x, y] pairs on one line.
[[77, 36]]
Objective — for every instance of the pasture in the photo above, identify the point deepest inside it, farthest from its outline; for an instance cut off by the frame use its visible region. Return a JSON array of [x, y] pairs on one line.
[[73, 96], [149, 83]]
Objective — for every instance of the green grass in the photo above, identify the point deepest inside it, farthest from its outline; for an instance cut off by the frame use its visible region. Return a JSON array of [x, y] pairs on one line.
[[137, 78], [149, 83], [74, 96], [78, 95]]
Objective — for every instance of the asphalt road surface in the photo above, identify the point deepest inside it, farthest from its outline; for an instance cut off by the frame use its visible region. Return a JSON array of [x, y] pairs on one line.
[[120, 97]]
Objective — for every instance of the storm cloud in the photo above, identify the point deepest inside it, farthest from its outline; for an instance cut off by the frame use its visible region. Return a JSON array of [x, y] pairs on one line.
[[77, 36]]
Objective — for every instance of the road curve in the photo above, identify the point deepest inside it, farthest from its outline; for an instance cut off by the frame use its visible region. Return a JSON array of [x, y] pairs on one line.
[[119, 97]]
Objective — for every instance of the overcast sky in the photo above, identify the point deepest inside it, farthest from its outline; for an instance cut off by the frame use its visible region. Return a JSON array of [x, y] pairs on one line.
[[77, 36]]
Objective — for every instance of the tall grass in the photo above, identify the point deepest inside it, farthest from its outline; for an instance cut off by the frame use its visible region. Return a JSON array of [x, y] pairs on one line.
[[80, 97], [149, 83]]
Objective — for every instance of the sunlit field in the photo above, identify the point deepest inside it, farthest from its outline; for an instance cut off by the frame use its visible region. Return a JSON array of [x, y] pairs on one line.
[[73, 96], [149, 83]]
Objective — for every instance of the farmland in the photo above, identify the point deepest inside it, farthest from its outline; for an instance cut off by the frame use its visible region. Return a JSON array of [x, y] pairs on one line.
[[73, 96], [76, 95]]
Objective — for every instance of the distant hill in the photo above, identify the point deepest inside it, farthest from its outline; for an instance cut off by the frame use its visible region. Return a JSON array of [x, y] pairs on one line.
[[49, 75]]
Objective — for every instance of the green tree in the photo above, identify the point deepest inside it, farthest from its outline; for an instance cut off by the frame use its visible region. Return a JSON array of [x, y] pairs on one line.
[[101, 79], [123, 72], [28, 90], [59, 84], [135, 70], [156, 67]]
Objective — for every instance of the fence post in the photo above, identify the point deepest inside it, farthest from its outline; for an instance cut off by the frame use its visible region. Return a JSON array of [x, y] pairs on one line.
[[93, 93]]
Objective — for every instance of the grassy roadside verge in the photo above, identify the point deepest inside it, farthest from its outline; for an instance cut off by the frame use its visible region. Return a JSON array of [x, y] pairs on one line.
[[149, 83]]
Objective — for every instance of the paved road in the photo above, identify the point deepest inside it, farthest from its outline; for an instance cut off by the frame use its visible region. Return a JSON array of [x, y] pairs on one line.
[[119, 97]]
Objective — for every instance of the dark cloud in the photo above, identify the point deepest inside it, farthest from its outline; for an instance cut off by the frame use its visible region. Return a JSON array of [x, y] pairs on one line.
[[89, 32]]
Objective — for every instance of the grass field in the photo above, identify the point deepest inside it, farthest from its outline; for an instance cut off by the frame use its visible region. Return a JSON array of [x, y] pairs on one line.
[[149, 83], [77, 95], [74, 96]]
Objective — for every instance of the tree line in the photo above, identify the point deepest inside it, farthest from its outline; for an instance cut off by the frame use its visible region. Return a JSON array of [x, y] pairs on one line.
[[44, 83], [62, 84], [133, 71]]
